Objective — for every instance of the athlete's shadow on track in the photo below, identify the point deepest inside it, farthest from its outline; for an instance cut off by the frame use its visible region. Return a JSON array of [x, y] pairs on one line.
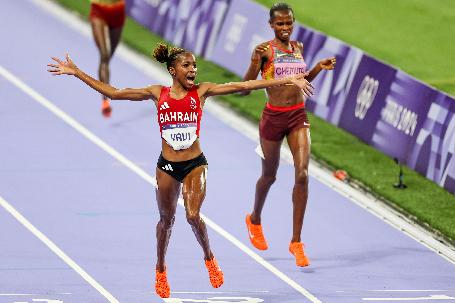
[[357, 258], [309, 269], [350, 260]]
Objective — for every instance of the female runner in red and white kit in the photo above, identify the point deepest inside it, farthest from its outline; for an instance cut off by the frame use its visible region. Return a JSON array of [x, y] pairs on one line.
[[181, 160], [283, 116]]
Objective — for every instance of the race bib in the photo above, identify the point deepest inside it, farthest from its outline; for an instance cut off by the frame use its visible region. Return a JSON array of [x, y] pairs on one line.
[[288, 69], [179, 136]]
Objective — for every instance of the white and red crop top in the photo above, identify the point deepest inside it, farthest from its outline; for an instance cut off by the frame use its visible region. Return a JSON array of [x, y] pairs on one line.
[[179, 120]]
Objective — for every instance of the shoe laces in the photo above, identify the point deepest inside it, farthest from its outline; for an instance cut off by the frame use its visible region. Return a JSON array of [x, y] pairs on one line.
[[297, 249], [256, 230]]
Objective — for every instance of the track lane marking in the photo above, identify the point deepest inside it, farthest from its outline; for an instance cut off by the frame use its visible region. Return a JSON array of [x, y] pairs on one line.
[[54, 248]]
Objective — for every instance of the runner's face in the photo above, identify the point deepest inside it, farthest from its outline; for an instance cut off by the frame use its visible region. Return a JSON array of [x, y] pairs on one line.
[[186, 70], [282, 24]]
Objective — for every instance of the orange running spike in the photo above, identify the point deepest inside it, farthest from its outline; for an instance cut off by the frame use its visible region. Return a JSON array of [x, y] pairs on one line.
[[106, 108], [161, 284], [255, 233], [215, 273], [296, 248]]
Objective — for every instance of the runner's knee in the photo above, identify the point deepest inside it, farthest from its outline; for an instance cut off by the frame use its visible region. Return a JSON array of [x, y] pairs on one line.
[[301, 176], [167, 220], [269, 179], [193, 218]]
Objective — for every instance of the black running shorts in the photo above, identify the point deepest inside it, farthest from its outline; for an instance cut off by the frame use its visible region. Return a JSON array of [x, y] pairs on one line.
[[179, 170]]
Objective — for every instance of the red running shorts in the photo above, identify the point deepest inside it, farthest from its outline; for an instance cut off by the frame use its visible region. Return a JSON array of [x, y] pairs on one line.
[[278, 122], [113, 14]]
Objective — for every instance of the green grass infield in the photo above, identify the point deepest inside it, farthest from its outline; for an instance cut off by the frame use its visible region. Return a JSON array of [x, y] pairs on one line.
[[423, 201]]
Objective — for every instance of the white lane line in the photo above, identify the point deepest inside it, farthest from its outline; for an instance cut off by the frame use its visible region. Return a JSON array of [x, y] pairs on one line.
[[432, 297], [410, 290], [150, 179], [14, 295], [17, 295], [205, 292], [216, 300], [57, 250], [396, 290], [218, 292]]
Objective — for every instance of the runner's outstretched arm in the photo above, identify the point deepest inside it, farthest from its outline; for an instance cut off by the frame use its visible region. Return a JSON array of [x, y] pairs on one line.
[[134, 94]]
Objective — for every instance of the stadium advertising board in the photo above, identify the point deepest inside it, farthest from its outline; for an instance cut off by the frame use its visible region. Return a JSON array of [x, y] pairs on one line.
[[401, 116], [241, 32], [192, 24], [433, 153], [366, 98], [332, 88]]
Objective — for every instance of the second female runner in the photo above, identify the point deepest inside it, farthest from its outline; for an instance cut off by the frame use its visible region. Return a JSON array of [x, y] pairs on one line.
[[284, 116]]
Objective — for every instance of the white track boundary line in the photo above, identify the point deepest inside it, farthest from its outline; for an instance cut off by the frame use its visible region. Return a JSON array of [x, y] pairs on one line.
[[148, 178], [57, 250]]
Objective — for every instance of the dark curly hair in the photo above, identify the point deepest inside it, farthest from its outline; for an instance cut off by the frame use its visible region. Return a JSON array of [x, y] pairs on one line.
[[165, 54], [280, 6]]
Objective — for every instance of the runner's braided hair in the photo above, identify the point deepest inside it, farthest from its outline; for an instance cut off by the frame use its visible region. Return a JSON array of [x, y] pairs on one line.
[[165, 54], [280, 6]]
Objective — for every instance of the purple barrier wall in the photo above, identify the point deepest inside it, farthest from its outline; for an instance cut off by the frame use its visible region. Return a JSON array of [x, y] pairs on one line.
[[366, 98], [433, 152], [401, 116], [245, 26], [192, 24], [332, 88], [381, 105]]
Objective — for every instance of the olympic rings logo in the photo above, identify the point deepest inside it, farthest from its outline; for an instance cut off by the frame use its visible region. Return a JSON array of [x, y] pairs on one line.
[[365, 96]]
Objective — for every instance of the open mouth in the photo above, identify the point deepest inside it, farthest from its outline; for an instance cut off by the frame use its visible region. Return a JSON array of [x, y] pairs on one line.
[[285, 34], [190, 79]]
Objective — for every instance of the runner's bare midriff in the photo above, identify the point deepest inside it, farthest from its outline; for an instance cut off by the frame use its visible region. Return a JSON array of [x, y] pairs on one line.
[[180, 155], [285, 96]]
